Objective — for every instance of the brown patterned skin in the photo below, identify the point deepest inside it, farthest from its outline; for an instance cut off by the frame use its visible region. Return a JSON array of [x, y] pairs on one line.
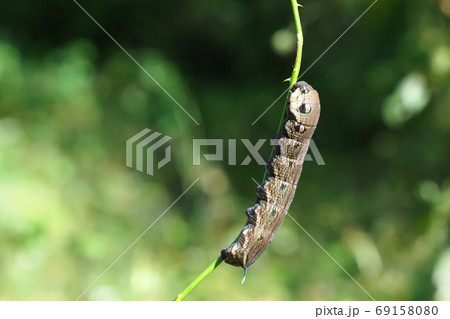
[[284, 168]]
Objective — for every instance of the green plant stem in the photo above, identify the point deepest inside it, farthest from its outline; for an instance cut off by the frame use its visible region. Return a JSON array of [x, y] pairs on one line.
[[198, 280], [293, 80], [296, 70], [298, 59]]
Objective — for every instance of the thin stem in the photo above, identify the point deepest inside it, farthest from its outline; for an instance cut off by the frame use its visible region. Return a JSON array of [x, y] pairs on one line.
[[293, 80], [298, 27], [198, 280], [296, 70], [298, 59]]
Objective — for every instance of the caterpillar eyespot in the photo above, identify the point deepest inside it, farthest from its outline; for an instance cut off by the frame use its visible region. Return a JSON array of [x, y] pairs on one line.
[[301, 128], [284, 169], [305, 108]]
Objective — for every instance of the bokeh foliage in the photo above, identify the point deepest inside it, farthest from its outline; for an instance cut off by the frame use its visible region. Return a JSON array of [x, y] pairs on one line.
[[69, 99]]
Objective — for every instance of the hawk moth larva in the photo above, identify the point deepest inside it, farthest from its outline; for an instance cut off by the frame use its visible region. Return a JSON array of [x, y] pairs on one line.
[[284, 168]]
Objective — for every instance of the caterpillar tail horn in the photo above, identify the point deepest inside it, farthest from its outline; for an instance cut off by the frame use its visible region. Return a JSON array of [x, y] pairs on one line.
[[245, 275]]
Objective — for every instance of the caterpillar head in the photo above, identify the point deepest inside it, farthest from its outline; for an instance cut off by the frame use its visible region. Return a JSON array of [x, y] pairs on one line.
[[304, 104]]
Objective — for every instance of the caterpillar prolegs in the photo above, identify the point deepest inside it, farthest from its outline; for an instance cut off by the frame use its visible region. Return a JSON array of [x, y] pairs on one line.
[[284, 168]]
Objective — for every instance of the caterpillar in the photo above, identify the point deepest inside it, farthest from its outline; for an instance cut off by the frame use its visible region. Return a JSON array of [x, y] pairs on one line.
[[284, 168]]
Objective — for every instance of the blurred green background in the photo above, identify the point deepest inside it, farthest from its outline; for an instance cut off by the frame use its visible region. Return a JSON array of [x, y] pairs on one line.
[[70, 98]]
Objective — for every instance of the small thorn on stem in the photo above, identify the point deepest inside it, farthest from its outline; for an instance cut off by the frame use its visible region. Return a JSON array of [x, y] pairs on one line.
[[245, 275], [287, 80]]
